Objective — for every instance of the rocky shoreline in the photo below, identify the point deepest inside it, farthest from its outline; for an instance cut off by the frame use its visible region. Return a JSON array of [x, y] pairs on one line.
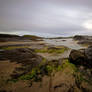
[[37, 66], [84, 40]]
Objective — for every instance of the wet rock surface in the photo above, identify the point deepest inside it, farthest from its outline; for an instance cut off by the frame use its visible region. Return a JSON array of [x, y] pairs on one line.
[[86, 40], [57, 75], [88, 53], [77, 57], [83, 60], [81, 57], [25, 56], [21, 55]]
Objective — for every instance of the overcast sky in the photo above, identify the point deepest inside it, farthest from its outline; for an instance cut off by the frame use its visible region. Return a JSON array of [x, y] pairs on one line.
[[46, 17]]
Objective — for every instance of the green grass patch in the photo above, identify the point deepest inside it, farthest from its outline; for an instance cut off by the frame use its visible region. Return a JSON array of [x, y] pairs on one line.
[[49, 68], [79, 77], [44, 68], [37, 73], [71, 69], [29, 76], [59, 68], [70, 66], [56, 50]]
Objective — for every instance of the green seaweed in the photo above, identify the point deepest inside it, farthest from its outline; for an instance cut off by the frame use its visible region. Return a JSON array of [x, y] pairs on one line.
[[51, 50]]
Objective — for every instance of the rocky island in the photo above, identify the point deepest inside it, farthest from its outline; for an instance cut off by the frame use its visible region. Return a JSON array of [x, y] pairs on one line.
[[35, 64]]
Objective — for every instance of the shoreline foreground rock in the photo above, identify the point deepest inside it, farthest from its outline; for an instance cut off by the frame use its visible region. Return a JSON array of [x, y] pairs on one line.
[[81, 57], [21, 55], [27, 69], [24, 56]]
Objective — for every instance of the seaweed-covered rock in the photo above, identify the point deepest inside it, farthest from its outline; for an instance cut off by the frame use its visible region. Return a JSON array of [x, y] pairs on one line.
[[77, 57], [82, 57], [88, 53], [25, 56]]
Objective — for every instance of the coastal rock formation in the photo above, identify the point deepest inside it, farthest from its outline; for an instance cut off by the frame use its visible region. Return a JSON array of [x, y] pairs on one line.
[[85, 40], [45, 69], [24, 56], [81, 57], [21, 55], [82, 37], [83, 60], [8, 37], [88, 53], [77, 57]]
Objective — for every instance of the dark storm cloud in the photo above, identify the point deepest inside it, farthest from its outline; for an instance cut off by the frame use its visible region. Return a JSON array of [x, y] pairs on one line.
[[57, 17]]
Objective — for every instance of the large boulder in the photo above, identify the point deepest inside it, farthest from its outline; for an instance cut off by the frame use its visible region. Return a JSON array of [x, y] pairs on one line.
[[88, 53], [25, 56], [77, 57], [81, 57]]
